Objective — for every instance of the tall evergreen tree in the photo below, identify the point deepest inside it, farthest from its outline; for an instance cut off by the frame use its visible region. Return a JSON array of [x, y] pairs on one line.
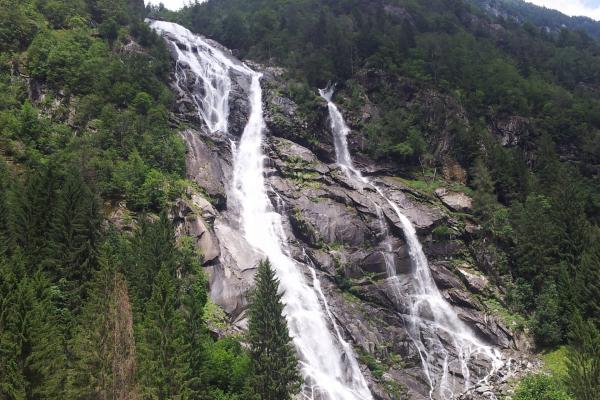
[[195, 334], [4, 187], [74, 237], [164, 366], [31, 206], [31, 342], [153, 247], [583, 375], [274, 360], [103, 346], [484, 200], [588, 278]]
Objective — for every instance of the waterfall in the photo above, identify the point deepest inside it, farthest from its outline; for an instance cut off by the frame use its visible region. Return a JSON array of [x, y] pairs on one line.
[[441, 338], [328, 363]]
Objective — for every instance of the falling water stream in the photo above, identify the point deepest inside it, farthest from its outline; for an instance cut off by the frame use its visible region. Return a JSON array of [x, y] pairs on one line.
[[328, 363], [443, 341]]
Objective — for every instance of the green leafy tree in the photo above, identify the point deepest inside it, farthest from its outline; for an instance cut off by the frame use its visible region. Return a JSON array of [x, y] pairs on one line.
[[274, 360]]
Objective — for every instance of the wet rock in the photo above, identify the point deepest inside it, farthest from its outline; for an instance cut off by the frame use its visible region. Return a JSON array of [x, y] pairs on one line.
[[239, 107], [232, 278], [208, 163], [443, 277]]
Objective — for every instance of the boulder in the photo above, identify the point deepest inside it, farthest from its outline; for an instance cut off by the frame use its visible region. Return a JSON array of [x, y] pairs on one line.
[[455, 201]]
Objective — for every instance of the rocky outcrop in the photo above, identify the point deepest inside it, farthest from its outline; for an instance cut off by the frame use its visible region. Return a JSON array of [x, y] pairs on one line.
[[331, 224], [455, 201]]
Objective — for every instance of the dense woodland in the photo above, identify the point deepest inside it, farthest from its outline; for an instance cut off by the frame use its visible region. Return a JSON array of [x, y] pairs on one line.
[[86, 311], [91, 312]]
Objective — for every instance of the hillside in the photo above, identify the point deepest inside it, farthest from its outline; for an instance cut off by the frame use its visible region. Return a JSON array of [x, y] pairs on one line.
[[431, 217], [551, 20]]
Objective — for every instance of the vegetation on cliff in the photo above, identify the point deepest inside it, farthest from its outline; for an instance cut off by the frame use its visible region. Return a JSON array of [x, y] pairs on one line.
[[90, 312]]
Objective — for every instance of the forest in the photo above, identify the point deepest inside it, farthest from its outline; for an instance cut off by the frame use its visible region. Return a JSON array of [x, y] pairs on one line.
[[92, 131]]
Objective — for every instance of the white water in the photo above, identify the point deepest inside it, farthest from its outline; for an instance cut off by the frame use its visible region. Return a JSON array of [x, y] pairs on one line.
[[328, 363], [430, 318]]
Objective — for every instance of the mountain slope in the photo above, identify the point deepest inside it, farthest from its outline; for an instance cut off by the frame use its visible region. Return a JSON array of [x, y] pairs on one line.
[[545, 18]]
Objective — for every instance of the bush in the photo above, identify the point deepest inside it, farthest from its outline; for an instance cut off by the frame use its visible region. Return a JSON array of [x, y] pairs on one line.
[[540, 387]]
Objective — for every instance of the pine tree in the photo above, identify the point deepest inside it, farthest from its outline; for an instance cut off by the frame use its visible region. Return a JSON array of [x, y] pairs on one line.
[[153, 248], [4, 187], [164, 365], [274, 361], [31, 208], [74, 238], [583, 362], [588, 278], [195, 333], [31, 343], [484, 200], [103, 346]]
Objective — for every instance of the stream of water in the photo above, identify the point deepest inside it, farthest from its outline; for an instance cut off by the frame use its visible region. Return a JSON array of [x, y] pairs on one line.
[[444, 342], [328, 363]]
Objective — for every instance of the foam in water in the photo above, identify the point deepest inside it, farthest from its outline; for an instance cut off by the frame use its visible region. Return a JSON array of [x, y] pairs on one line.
[[430, 317], [328, 363]]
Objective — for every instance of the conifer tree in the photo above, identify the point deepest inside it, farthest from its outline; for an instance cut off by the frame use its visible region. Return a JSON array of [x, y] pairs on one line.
[[31, 207], [588, 279], [484, 200], [4, 187], [103, 346], [195, 334], [164, 365], [31, 342], [583, 362], [274, 360], [74, 238], [153, 247]]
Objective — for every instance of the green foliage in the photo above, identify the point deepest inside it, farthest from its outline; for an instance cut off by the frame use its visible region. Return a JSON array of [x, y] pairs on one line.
[[540, 387], [273, 357], [374, 365], [583, 360], [546, 323], [556, 362], [164, 365]]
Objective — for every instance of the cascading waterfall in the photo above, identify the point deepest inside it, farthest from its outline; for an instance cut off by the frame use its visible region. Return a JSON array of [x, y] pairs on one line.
[[428, 315], [328, 363]]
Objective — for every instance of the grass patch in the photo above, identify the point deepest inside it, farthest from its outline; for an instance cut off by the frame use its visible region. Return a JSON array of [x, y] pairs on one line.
[[374, 365], [514, 321], [556, 361], [425, 187]]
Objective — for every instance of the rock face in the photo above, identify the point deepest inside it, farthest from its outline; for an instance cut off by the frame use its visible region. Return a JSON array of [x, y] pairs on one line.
[[455, 201], [330, 224]]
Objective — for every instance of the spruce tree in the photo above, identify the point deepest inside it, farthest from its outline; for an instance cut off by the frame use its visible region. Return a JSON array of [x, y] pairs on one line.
[[31, 342], [153, 248], [484, 199], [195, 334], [31, 207], [274, 361], [588, 279], [4, 187], [583, 362], [74, 238], [103, 346], [164, 365]]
